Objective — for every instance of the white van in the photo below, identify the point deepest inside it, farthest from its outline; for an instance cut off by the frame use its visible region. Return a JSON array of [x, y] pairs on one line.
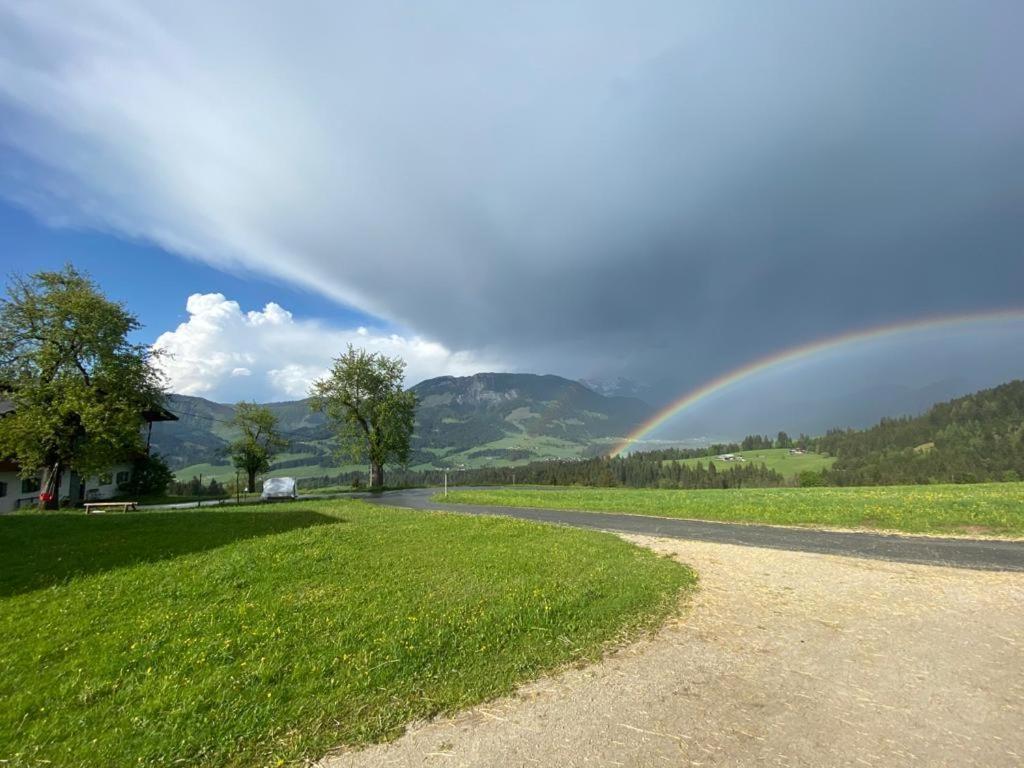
[[279, 488]]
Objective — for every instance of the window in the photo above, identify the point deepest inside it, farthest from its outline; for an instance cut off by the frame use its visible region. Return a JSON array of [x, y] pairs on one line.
[[30, 485], [123, 476], [105, 479], [3, 489]]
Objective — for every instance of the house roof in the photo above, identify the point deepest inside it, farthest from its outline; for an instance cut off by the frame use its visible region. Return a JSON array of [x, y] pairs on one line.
[[158, 414], [150, 414]]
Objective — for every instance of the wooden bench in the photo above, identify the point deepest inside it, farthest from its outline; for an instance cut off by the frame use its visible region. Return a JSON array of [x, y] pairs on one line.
[[103, 506]]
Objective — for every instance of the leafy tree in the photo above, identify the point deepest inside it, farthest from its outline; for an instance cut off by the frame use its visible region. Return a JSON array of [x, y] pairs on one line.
[[78, 385], [371, 412], [259, 442], [783, 441], [811, 479], [150, 476]]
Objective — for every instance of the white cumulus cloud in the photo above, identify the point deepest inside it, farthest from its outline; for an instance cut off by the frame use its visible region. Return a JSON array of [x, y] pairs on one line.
[[224, 353]]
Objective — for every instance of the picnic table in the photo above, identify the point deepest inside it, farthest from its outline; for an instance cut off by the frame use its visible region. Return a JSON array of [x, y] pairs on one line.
[[103, 506]]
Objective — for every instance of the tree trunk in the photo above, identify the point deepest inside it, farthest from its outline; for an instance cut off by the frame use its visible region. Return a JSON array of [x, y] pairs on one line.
[[49, 490], [376, 475], [252, 481]]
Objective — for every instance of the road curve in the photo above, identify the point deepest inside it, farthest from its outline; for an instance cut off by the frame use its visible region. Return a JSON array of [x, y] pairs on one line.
[[977, 554]]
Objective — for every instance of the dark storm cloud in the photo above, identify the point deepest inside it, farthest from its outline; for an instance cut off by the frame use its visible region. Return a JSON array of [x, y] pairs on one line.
[[655, 189]]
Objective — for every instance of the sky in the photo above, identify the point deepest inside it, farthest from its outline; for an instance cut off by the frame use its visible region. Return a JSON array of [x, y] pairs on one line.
[[660, 191]]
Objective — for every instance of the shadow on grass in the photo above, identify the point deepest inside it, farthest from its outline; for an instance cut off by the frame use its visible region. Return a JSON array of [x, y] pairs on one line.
[[39, 551]]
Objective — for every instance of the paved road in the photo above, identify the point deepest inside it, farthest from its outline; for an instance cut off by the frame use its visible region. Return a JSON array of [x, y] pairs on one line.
[[978, 554]]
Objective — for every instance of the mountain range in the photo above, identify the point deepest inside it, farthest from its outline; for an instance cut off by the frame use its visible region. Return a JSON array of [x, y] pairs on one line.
[[509, 418], [469, 421]]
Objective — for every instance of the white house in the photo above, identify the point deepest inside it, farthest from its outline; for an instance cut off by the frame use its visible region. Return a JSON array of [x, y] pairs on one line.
[[17, 492]]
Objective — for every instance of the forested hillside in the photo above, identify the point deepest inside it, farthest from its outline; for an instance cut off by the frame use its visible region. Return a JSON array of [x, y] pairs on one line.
[[976, 438]]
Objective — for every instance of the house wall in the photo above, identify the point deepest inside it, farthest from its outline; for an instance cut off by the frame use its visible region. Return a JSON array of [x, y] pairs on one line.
[[12, 492], [105, 486], [96, 489]]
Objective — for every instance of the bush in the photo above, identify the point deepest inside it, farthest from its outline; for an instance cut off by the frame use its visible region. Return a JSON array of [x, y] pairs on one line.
[[150, 476], [811, 479]]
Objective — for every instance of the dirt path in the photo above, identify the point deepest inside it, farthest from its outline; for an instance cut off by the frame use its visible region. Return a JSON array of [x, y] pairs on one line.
[[782, 659]]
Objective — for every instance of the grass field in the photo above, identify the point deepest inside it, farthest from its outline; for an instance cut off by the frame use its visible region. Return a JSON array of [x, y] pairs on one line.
[[267, 635], [989, 509], [779, 459]]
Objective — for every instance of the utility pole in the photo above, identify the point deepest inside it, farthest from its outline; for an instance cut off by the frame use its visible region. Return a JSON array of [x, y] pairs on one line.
[[446, 483]]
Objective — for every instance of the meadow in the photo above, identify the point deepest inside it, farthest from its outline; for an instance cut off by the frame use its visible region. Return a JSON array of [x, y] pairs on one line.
[[779, 459], [268, 635], [983, 509]]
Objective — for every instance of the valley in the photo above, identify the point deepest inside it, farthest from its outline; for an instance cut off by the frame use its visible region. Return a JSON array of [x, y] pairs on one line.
[[471, 422]]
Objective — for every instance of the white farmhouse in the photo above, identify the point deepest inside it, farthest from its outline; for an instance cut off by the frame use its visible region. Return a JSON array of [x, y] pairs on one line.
[[17, 492]]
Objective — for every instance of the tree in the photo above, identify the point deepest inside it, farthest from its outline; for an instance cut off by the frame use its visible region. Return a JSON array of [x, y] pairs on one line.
[[150, 476], [78, 385], [259, 442], [371, 412]]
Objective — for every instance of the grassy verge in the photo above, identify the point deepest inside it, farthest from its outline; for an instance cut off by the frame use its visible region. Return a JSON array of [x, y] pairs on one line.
[[988, 509], [267, 635]]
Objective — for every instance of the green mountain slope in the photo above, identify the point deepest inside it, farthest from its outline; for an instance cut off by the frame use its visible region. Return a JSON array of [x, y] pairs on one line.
[[201, 433], [472, 421], [975, 438]]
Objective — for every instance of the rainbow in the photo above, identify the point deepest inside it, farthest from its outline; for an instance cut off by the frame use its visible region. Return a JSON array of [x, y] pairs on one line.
[[794, 354]]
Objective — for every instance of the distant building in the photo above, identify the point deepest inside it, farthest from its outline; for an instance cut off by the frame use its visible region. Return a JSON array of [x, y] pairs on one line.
[[17, 492]]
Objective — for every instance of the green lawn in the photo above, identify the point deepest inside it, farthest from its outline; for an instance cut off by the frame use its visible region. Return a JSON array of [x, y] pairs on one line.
[[786, 464], [267, 635], [989, 509]]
